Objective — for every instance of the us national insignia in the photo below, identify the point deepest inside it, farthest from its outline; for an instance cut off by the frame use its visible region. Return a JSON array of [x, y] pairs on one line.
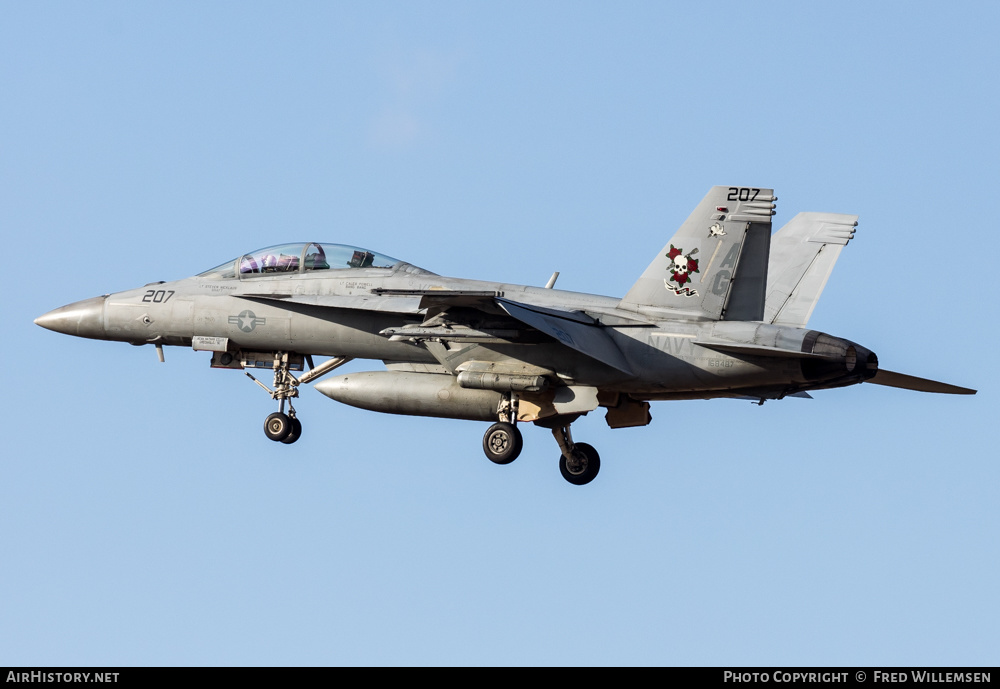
[[681, 268], [246, 321]]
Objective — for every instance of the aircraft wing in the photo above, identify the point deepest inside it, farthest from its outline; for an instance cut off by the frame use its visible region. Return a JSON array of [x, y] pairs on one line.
[[803, 254], [573, 329]]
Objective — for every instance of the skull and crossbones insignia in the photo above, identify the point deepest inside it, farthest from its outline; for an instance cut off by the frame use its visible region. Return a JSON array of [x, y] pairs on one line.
[[681, 267]]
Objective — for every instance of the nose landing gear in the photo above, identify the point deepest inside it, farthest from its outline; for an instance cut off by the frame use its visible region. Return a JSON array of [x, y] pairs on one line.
[[280, 426]]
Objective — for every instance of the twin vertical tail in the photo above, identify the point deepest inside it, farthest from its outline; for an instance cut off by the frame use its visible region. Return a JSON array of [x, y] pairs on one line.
[[715, 267], [803, 254]]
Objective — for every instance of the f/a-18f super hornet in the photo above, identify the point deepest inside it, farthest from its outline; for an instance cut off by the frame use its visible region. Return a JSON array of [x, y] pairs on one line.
[[720, 312]]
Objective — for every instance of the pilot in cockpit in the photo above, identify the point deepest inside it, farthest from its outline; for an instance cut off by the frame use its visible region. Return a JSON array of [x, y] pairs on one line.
[[316, 260]]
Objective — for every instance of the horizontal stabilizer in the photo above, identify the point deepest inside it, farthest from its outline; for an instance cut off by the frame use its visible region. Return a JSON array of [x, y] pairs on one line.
[[567, 328], [901, 380]]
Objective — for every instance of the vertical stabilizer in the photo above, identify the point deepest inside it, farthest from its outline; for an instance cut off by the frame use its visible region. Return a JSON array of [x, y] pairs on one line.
[[803, 254], [715, 267]]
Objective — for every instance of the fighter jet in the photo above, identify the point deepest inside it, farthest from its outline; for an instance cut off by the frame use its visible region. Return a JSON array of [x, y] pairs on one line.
[[721, 311]]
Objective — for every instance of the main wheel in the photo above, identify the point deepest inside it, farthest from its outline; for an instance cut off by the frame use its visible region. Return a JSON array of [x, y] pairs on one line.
[[502, 443], [584, 466], [277, 426], [295, 433]]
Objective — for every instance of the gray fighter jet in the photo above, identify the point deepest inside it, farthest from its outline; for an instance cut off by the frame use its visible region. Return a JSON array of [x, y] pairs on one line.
[[720, 312]]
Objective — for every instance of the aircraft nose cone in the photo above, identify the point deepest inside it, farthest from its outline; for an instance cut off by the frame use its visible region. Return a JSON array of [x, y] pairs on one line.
[[83, 318]]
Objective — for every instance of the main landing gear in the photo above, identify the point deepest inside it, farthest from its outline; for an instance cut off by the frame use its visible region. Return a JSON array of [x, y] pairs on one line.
[[579, 462], [502, 443], [281, 426]]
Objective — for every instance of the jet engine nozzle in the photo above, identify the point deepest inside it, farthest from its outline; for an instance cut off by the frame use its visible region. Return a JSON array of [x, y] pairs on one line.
[[839, 359], [82, 319]]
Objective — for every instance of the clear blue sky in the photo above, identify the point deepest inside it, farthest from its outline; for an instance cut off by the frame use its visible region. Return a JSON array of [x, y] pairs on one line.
[[145, 519]]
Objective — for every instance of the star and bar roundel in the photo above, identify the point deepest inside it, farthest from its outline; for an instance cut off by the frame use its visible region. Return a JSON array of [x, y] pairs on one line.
[[246, 321]]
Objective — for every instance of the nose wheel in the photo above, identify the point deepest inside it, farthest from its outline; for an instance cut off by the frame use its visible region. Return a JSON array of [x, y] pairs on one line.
[[277, 426], [281, 426], [295, 433]]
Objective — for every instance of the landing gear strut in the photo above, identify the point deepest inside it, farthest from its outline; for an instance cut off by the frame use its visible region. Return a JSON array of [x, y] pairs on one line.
[[286, 427], [279, 426]]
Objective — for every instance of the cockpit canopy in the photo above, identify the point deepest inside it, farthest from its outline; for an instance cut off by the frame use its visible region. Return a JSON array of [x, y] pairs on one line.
[[299, 258]]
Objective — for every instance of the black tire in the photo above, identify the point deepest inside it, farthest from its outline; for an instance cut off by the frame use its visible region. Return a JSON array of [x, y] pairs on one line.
[[277, 426], [295, 433], [502, 443], [585, 468]]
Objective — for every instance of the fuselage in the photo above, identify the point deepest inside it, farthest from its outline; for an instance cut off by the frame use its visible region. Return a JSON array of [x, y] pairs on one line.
[[346, 313]]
